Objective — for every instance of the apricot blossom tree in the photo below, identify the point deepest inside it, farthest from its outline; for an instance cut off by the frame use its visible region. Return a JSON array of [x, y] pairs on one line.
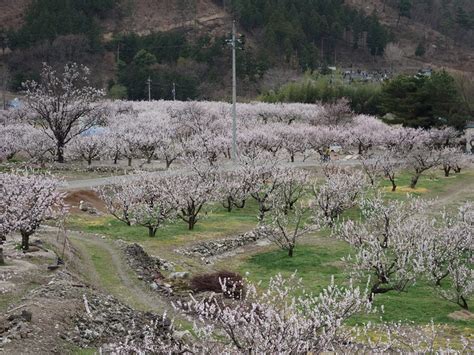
[[63, 104]]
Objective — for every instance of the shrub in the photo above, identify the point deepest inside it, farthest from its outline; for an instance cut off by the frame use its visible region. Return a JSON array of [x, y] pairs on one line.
[[363, 98], [214, 282]]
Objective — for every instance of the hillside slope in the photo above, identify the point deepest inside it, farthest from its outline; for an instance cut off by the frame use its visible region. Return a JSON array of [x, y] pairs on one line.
[[441, 50], [146, 16], [11, 12], [141, 16], [206, 16]]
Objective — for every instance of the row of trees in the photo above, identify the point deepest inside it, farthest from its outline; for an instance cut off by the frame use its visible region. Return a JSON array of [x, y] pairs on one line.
[[396, 244], [150, 199], [414, 101], [61, 111], [190, 132]]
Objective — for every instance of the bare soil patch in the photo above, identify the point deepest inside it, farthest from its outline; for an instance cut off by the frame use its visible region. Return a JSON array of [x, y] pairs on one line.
[[462, 315], [74, 198]]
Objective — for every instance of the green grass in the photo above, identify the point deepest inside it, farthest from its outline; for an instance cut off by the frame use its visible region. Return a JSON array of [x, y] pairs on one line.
[[103, 271], [7, 300], [318, 262], [315, 264], [101, 261], [430, 185], [217, 221]]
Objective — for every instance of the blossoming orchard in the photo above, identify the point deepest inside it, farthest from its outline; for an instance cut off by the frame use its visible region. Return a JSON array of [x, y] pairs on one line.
[[330, 232]]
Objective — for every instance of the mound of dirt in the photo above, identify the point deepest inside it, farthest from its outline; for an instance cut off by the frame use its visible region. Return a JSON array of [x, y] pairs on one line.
[[65, 312], [74, 198], [462, 315], [42, 317], [107, 320]]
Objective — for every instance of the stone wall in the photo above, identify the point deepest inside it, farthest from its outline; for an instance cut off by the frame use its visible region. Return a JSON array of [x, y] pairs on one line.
[[214, 248]]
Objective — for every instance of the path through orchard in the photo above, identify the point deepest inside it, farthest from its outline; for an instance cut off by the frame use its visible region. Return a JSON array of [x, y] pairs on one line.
[[106, 267], [456, 194], [96, 182]]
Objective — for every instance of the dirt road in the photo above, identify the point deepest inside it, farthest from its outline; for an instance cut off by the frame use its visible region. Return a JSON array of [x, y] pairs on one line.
[[107, 269]]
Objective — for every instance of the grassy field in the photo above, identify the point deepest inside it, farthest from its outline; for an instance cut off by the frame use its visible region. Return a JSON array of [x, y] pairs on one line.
[[216, 221], [317, 259], [431, 185], [316, 262]]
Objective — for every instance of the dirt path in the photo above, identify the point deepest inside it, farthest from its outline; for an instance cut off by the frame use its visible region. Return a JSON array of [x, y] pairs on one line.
[[96, 182], [455, 195], [107, 269]]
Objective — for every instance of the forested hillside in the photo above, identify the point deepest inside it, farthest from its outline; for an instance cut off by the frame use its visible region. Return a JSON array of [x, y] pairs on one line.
[[181, 44]]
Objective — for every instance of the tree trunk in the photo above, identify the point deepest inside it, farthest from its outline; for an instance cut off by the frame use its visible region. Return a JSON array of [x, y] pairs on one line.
[[292, 158], [228, 204], [60, 152], [129, 161], [261, 212], [290, 252], [446, 169], [240, 205], [191, 222], [152, 231], [376, 289], [414, 180], [168, 163], [394, 186], [89, 161], [463, 303], [25, 241], [2, 259]]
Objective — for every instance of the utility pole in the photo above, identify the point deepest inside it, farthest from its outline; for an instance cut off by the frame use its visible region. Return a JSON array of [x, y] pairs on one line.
[[118, 54], [234, 97], [322, 49], [149, 88], [173, 91], [4, 85]]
